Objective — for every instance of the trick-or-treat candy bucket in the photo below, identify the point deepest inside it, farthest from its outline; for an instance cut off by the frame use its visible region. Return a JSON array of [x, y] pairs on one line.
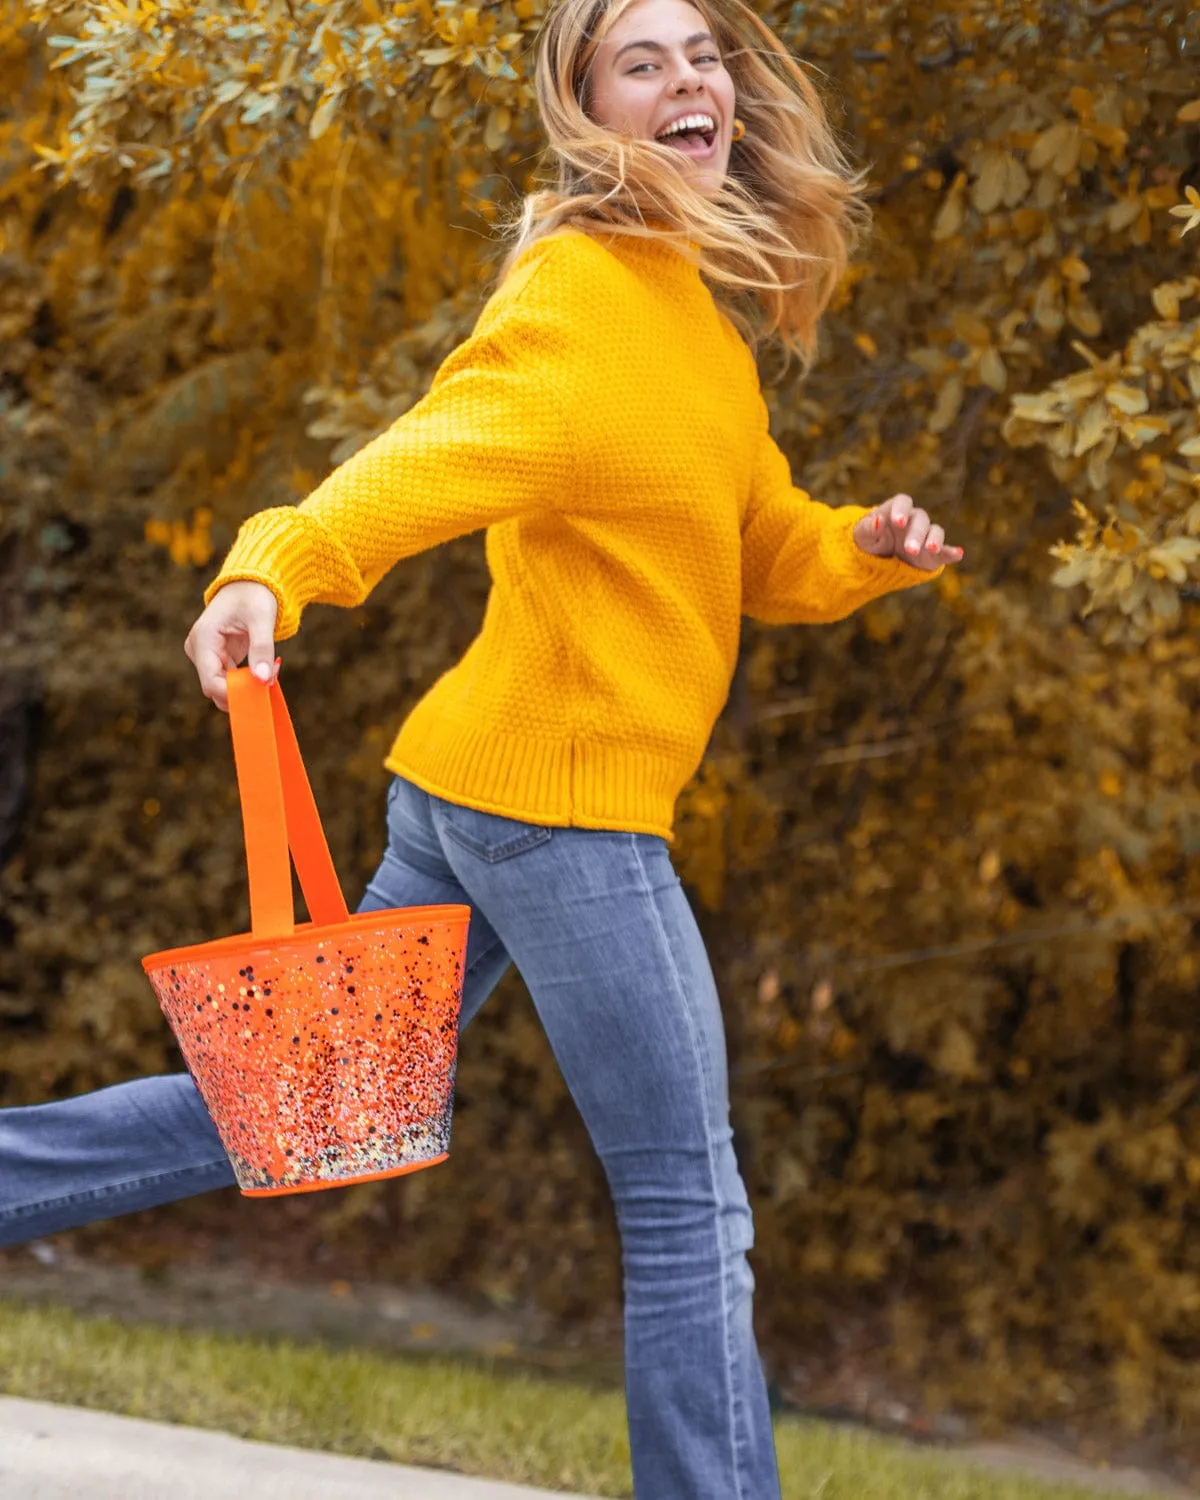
[[324, 1051]]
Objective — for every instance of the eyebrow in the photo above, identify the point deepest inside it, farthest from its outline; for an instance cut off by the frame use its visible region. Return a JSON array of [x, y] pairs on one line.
[[698, 36]]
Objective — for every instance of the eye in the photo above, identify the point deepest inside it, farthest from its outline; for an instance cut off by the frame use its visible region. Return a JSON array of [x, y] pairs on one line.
[[708, 57], [637, 67]]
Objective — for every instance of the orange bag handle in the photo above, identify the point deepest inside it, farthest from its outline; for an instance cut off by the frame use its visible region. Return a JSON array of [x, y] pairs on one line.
[[278, 812]]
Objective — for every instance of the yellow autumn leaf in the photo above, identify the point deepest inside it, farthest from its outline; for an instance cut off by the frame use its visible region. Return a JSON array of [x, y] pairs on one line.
[[1174, 560], [1166, 302], [970, 328], [1047, 302], [992, 371], [956, 1054], [950, 218], [1014, 263], [1076, 570], [1112, 137], [1036, 408], [948, 404], [1189, 210], [322, 116], [1058, 147], [1048, 144], [1083, 315], [1144, 429], [988, 191], [1092, 428], [498, 123], [1122, 214], [1017, 182], [1128, 399]]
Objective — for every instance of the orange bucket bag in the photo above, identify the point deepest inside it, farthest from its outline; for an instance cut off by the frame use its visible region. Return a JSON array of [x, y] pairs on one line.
[[325, 1051]]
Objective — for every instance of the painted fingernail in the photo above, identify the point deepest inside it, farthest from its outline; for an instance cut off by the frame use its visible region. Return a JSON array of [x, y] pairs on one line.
[[900, 520], [911, 548], [934, 547], [878, 523]]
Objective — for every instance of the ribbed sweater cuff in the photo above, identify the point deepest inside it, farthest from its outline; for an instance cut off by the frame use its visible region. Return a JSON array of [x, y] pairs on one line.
[[279, 548]]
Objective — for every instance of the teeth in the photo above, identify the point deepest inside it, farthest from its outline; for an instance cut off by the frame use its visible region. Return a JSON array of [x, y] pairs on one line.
[[688, 122]]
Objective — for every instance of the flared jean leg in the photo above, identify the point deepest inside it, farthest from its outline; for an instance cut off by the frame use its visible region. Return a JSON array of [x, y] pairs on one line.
[[601, 931], [151, 1141], [111, 1152]]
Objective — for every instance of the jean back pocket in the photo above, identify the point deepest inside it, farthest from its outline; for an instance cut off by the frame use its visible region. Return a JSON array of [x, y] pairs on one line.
[[490, 837]]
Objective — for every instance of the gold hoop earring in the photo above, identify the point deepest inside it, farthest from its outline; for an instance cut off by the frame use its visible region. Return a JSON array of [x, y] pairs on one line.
[[739, 130]]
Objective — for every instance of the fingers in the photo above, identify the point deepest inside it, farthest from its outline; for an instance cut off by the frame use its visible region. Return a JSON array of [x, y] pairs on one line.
[[872, 535], [897, 528], [260, 657], [212, 662], [919, 541], [206, 653], [915, 534], [238, 625]]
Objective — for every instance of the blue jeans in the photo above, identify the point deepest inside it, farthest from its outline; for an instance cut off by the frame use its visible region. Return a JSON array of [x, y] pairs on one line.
[[600, 929]]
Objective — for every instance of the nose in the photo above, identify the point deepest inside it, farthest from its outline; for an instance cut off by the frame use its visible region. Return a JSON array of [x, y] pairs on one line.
[[687, 79]]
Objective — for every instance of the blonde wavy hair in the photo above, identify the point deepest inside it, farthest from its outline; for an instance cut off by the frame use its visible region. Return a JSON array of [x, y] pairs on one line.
[[774, 240]]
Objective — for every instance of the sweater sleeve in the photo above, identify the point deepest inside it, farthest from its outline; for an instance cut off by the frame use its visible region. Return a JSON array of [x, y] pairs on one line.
[[800, 562], [489, 441]]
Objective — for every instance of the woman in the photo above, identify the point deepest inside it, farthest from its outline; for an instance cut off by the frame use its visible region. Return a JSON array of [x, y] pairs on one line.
[[604, 423]]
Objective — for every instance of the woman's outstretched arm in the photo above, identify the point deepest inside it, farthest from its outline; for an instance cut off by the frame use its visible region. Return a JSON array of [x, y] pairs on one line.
[[804, 562]]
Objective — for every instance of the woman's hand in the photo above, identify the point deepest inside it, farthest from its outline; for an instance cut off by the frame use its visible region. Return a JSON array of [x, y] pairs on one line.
[[239, 625], [897, 529]]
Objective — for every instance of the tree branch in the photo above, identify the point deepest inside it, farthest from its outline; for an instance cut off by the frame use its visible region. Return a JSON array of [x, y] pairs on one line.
[[947, 59], [1092, 929], [889, 189], [926, 64], [1102, 12]]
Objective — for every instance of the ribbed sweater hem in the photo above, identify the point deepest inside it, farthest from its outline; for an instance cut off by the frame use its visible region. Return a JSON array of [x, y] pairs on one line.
[[571, 782]]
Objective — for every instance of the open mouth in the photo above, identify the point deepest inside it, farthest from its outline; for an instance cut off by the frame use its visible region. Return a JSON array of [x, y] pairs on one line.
[[694, 135]]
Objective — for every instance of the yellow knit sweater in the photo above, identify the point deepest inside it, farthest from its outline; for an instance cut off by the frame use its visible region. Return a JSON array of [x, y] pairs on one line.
[[604, 422]]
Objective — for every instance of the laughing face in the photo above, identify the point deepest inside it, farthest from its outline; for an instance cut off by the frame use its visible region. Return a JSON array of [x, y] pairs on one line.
[[658, 75]]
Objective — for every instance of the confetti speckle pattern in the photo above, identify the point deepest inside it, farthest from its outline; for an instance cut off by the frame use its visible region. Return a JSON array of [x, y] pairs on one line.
[[325, 1058]]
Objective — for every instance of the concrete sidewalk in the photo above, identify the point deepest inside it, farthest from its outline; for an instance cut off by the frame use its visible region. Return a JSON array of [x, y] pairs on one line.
[[67, 1453]]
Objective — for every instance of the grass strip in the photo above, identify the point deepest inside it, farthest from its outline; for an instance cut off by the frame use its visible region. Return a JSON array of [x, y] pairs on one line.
[[427, 1410]]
